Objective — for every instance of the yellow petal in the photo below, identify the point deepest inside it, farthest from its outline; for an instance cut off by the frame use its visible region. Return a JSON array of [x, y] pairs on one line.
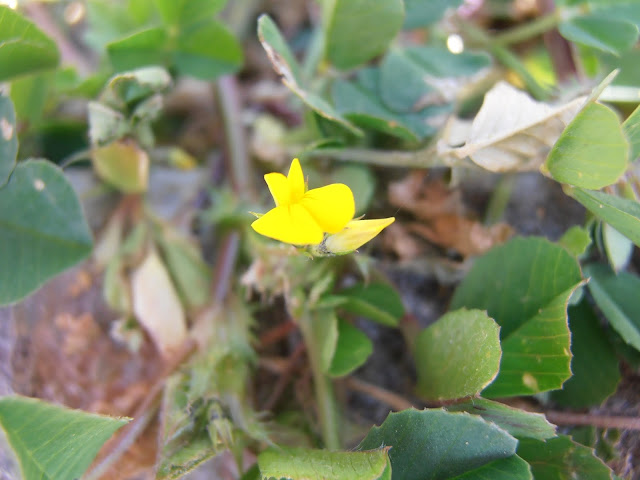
[[296, 181], [279, 188], [331, 206], [353, 236], [289, 224]]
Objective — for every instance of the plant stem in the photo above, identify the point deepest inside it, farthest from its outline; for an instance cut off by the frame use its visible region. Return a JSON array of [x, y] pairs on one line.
[[239, 165], [395, 401], [560, 50], [479, 37], [527, 31], [423, 158], [499, 199], [601, 421], [327, 411]]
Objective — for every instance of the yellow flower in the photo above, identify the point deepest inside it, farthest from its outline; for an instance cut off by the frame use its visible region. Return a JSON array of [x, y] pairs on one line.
[[355, 234], [302, 217]]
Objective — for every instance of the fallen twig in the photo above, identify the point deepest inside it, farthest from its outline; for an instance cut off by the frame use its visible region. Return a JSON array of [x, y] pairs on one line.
[[594, 420], [395, 401]]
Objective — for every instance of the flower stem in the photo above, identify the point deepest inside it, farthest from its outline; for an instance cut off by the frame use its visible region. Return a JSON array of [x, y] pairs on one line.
[[528, 30], [325, 399]]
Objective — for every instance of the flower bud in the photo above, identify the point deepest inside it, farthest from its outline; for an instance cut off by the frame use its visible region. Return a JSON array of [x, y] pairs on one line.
[[353, 236]]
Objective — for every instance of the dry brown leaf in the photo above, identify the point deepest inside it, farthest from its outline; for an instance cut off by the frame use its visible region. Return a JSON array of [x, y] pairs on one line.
[[64, 354], [445, 219], [512, 131], [81, 284], [467, 237], [425, 201], [397, 239], [157, 306]]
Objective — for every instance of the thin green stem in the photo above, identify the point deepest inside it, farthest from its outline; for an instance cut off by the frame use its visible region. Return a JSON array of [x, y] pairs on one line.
[[240, 167], [510, 60], [423, 158], [480, 38], [528, 30], [75, 158], [499, 199], [325, 398]]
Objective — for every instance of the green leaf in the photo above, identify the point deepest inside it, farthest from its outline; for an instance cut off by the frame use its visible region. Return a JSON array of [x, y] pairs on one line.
[[513, 280], [137, 85], [105, 124], [631, 128], [627, 10], [53, 442], [598, 31], [629, 68], [617, 297], [510, 468], [618, 247], [176, 12], [42, 229], [285, 64], [360, 102], [207, 50], [620, 213], [29, 95], [519, 423], [189, 272], [563, 459], [435, 444], [418, 69], [191, 454], [376, 301], [536, 357], [277, 49], [358, 30], [601, 440], [109, 21], [364, 108], [421, 13], [458, 355], [396, 69], [576, 240], [140, 11], [592, 151], [204, 50], [148, 47], [594, 363], [24, 48], [306, 464], [352, 350], [185, 441], [8, 139], [524, 285]]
